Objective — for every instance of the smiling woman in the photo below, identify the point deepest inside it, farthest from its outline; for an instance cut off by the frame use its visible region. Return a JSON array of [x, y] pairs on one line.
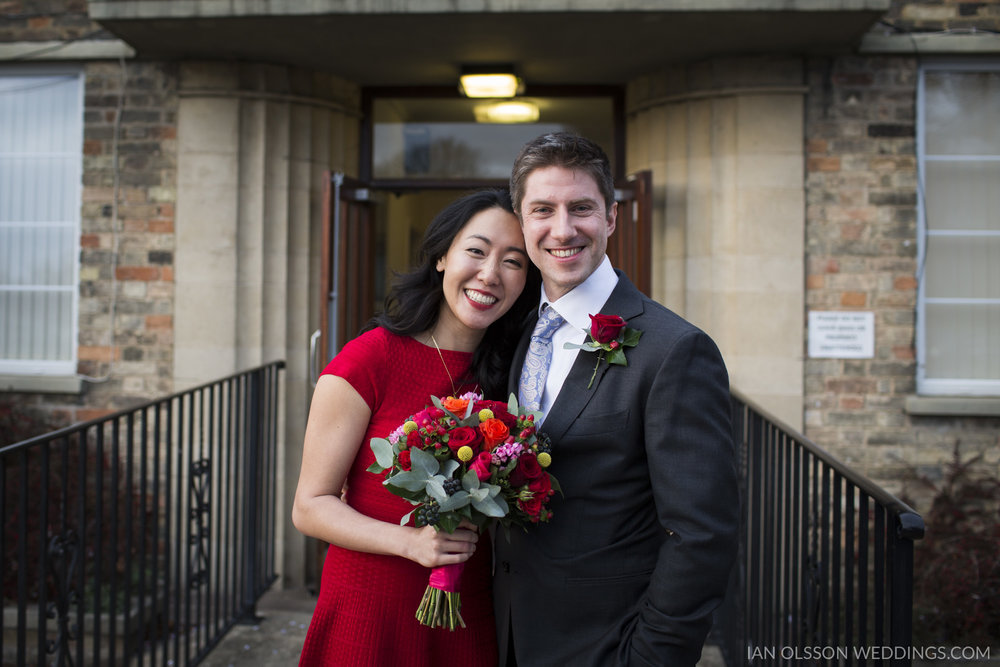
[[448, 326]]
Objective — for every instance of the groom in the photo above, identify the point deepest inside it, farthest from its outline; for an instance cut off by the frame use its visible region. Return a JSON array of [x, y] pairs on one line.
[[638, 553]]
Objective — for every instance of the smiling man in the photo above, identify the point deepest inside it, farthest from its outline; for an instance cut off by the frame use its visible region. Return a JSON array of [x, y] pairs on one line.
[[638, 552]]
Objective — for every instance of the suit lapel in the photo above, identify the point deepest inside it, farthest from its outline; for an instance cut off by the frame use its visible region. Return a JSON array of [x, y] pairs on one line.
[[574, 396]]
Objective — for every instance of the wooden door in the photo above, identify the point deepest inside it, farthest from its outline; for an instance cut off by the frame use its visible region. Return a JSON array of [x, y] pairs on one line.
[[347, 265], [630, 246]]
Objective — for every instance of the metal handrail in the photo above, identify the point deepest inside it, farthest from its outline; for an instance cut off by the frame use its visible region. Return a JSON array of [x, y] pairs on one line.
[[825, 568], [144, 535], [910, 521]]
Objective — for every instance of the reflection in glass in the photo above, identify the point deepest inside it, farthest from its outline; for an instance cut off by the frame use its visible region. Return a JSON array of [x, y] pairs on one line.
[[425, 138]]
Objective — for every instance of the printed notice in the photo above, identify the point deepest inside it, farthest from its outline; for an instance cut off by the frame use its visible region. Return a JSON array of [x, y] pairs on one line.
[[836, 334]]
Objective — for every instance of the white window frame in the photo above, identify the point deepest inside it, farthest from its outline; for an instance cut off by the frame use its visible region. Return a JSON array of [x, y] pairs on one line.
[[943, 386], [58, 367]]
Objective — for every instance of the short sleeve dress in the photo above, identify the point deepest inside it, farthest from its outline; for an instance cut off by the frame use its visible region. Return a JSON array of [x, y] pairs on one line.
[[365, 612]]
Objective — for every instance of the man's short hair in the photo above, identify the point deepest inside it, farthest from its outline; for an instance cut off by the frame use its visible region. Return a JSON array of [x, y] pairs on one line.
[[567, 150]]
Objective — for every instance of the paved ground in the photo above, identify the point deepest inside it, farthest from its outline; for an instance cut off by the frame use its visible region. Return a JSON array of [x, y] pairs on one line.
[[277, 640], [274, 642]]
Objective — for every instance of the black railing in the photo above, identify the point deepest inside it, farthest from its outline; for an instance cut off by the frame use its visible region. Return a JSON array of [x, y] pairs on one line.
[[825, 574], [141, 537]]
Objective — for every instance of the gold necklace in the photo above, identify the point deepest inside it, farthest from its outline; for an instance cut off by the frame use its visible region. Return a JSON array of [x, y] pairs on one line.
[[454, 392]]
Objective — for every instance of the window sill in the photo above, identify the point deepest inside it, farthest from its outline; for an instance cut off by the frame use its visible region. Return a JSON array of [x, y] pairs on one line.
[[953, 406], [41, 384]]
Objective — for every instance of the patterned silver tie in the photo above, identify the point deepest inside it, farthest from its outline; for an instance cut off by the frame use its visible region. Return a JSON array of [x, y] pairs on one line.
[[536, 362]]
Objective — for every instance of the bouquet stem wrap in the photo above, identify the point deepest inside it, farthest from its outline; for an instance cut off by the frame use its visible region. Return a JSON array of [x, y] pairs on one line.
[[442, 603]]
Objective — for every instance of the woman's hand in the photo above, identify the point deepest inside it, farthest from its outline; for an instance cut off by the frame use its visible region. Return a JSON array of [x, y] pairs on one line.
[[433, 548]]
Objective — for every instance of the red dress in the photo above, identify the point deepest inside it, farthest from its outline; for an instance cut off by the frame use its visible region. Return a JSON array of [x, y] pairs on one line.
[[366, 606]]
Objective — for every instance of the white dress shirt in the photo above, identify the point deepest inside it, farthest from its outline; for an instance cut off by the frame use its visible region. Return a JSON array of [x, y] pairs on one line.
[[576, 307]]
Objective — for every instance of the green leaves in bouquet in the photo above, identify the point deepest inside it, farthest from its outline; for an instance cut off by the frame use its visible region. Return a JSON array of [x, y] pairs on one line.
[[426, 477], [484, 497], [382, 449]]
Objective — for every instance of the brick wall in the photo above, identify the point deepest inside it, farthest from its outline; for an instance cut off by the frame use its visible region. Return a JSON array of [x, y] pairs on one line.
[[135, 284], [126, 250], [861, 248], [125, 343], [46, 20]]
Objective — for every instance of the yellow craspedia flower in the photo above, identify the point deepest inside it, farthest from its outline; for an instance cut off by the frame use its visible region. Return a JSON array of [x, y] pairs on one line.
[[485, 414], [465, 453], [544, 459], [409, 427]]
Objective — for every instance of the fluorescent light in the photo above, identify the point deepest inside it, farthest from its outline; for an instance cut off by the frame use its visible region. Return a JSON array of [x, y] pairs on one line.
[[495, 84], [507, 112]]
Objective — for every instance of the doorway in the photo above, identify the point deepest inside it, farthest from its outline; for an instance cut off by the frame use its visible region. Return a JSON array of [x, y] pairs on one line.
[[371, 234]]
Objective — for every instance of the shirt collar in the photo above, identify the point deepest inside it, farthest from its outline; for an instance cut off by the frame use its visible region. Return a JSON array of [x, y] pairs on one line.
[[577, 305]]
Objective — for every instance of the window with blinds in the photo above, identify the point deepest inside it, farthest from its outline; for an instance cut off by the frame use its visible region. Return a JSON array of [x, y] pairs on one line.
[[958, 145], [41, 158]]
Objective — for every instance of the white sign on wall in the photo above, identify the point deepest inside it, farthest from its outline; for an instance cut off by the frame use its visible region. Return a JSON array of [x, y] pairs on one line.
[[837, 334]]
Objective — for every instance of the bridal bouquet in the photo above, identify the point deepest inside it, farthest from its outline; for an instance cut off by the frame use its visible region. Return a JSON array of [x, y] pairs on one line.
[[465, 458]]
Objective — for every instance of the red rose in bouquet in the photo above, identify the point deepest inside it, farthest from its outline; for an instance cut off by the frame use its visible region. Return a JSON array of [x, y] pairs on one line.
[[532, 507], [463, 436], [481, 464], [527, 469], [540, 486], [404, 459]]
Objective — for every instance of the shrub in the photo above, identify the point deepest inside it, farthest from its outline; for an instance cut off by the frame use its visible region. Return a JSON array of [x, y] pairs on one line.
[[957, 565]]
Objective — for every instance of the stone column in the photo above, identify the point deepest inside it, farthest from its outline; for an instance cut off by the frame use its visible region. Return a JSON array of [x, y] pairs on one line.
[[254, 141], [724, 140]]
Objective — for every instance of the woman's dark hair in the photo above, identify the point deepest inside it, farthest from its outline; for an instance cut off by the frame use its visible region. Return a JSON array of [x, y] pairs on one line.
[[414, 300]]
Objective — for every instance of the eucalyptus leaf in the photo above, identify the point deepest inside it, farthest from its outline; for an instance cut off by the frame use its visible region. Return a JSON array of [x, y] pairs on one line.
[[470, 480], [448, 467], [382, 449], [455, 501], [406, 517], [411, 480], [489, 507], [512, 403], [423, 462], [435, 489]]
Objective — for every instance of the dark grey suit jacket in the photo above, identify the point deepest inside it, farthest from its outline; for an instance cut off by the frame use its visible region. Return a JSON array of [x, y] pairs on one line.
[[639, 550]]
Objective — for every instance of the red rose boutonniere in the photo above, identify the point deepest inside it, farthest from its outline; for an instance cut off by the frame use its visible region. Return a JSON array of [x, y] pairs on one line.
[[609, 336]]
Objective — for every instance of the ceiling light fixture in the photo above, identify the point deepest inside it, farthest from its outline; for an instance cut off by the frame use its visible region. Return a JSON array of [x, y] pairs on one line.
[[489, 81], [507, 112]]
